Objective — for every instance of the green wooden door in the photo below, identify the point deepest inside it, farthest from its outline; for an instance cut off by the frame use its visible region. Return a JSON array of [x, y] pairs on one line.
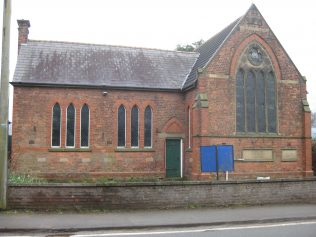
[[173, 158]]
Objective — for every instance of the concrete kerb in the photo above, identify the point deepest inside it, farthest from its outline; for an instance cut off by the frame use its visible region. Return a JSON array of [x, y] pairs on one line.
[[153, 227]]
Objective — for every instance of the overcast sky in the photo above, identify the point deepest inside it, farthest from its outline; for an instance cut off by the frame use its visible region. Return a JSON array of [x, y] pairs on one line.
[[165, 23]]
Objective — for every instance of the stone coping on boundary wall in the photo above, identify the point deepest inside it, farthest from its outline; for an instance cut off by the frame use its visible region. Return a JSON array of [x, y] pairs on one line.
[[161, 195], [163, 183]]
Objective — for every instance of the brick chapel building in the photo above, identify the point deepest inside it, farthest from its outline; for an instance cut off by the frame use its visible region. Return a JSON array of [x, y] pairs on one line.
[[83, 110]]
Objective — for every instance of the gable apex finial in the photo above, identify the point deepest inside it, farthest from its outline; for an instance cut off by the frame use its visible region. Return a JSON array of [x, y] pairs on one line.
[[253, 7]]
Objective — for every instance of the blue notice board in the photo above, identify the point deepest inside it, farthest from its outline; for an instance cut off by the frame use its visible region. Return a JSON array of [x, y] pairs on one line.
[[217, 158], [208, 158], [225, 157]]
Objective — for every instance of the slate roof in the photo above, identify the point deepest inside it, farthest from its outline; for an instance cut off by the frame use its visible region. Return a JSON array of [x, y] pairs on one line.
[[88, 65], [207, 51], [75, 64]]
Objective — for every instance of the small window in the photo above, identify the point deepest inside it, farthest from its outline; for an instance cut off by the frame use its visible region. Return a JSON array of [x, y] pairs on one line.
[[148, 127], [134, 127], [70, 137], [84, 129], [56, 125], [121, 126]]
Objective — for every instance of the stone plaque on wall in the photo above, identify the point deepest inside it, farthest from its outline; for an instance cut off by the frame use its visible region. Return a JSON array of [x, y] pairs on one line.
[[289, 155], [257, 155]]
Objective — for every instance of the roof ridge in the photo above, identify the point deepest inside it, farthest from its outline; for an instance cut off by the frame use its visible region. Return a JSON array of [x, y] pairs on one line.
[[114, 46]]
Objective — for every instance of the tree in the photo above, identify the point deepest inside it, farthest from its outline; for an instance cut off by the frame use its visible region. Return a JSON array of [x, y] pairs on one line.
[[190, 47]]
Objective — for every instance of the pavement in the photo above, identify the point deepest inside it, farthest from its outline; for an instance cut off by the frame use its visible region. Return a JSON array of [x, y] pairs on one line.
[[114, 220]]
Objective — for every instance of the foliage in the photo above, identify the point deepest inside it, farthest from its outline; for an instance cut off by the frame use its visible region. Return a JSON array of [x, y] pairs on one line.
[[24, 179], [190, 47]]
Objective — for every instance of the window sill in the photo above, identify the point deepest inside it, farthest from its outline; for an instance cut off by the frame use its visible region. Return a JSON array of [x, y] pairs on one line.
[[69, 150], [134, 149], [259, 134]]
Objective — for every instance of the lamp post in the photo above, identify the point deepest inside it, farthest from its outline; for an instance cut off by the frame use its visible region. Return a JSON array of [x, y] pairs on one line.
[[4, 103]]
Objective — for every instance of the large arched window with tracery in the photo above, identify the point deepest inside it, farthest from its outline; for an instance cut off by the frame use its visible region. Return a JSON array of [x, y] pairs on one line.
[[255, 93]]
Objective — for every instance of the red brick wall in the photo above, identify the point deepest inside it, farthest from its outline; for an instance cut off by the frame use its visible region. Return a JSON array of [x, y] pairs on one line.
[[211, 125], [217, 122], [32, 132]]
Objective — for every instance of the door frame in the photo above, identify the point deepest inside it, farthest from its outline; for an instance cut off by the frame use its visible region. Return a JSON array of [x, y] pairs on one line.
[[181, 154]]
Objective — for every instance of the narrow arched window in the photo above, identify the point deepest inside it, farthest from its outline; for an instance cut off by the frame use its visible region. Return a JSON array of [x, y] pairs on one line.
[[240, 102], [189, 126], [148, 127], [134, 127], [121, 134], [70, 135], [250, 102], [271, 103], [84, 126], [56, 118], [260, 103]]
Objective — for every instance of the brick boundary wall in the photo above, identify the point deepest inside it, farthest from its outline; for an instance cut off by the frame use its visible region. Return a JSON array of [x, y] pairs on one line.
[[161, 195]]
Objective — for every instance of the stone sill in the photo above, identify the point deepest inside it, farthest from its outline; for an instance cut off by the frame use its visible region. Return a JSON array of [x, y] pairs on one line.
[[289, 160], [134, 149], [69, 149], [259, 160]]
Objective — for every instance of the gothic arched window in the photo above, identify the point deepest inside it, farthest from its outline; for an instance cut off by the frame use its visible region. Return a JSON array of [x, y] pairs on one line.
[[255, 93], [84, 126], [56, 118], [70, 132], [148, 127], [134, 127], [121, 124]]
